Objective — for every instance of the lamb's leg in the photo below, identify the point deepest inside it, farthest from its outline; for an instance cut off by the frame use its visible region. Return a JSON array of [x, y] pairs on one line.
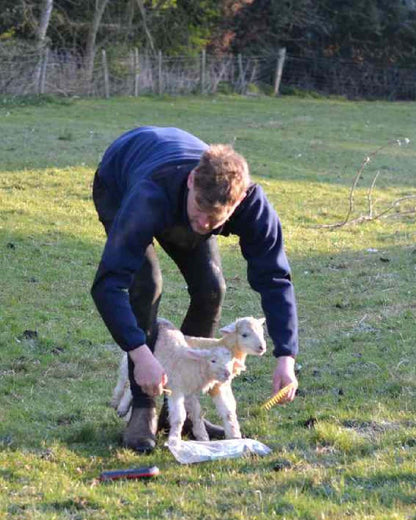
[[177, 416], [125, 403], [226, 406], [193, 407], [127, 417], [119, 390]]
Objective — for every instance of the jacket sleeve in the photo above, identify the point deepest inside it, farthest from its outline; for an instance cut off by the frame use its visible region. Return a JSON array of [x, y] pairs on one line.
[[141, 215], [268, 271]]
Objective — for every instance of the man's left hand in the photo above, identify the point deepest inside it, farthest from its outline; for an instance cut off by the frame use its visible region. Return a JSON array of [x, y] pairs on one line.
[[283, 376]]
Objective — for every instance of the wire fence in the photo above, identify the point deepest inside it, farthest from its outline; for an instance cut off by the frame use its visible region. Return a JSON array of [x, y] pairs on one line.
[[65, 73], [350, 79]]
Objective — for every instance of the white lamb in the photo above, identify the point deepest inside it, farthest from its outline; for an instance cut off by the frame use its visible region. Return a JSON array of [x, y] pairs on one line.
[[242, 337], [190, 371]]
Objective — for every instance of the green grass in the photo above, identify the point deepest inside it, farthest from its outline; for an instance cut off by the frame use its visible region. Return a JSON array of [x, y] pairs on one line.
[[346, 448]]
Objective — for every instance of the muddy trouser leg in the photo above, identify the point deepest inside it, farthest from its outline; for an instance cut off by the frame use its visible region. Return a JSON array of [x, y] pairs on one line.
[[201, 268], [145, 294], [146, 289]]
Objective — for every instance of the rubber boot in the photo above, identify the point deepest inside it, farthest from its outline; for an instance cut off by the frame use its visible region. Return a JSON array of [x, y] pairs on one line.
[[140, 432]]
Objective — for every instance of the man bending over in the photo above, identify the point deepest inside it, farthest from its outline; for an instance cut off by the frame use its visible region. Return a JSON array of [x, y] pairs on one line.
[[167, 185]]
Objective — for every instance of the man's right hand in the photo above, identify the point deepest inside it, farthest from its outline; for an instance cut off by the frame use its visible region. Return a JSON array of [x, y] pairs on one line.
[[148, 372]]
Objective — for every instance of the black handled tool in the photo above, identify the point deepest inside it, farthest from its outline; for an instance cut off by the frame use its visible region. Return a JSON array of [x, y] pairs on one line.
[[145, 472]]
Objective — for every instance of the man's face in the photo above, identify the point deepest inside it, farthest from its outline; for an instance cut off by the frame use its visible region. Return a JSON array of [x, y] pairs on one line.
[[203, 222]]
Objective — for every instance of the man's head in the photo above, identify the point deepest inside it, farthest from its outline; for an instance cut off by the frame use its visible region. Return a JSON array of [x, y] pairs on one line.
[[216, 187]]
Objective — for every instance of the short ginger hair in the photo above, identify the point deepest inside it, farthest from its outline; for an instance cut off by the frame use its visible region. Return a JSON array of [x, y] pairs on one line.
[[221, 178]]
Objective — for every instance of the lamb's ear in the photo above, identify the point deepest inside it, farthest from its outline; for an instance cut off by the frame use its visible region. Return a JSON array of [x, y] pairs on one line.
[[261, 321], [197, 353], [229, 329]]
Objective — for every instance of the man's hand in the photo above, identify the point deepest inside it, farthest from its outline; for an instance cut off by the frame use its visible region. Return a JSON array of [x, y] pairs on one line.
[[284, 375], [148, 372]]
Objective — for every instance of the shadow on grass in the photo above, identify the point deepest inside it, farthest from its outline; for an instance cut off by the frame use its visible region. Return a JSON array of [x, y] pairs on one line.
[[60, 133], [56, 385]]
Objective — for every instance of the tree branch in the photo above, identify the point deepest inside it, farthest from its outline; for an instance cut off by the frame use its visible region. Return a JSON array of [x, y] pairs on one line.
[[370, 216], [146, 29]]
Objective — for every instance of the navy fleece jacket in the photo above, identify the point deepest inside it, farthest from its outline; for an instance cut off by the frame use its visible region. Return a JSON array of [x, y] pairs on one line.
[[146, 171]]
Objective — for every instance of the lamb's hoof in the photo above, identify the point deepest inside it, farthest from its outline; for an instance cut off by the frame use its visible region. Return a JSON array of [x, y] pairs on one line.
[[201, 438], [121, 412], [174, 441]]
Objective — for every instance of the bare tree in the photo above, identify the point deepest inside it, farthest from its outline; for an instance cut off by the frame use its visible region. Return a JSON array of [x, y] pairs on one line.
[[90, 48], [42, 28], [129, 15], [145, 26], [40, 33]]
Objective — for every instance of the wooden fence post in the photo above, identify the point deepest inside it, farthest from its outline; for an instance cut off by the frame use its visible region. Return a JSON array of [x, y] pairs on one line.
[[106, 77], [136, 71], [132, 70], [159, 73], [242, 79], [203, 69], [281, 56], [253, 71], [42, 75]]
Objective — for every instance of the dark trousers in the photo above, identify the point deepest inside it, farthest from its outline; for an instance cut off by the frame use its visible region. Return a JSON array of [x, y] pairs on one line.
[[199, 263]]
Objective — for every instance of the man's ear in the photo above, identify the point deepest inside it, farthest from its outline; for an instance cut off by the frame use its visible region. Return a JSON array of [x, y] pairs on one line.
[[190, 181], [242, 197]]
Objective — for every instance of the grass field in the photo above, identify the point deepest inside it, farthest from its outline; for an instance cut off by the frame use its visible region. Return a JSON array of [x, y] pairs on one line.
[[345, 449]]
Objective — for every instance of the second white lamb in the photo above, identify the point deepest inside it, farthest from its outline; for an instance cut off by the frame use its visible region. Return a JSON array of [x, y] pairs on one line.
[[242, 337]]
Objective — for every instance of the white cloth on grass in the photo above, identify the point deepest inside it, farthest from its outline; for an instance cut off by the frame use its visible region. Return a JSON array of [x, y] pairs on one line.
[[189, 452]]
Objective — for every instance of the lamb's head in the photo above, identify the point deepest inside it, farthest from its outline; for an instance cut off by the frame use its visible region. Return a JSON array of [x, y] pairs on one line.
[[219, 361], [221, 364], [249, 335]]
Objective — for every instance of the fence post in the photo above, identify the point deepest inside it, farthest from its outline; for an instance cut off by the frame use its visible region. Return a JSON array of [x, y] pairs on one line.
[[253, 71], [132, 71], [42, 76], [242, 80], [281, 56], [106, 78], [203, 69], [136, 71], [159, 73]]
